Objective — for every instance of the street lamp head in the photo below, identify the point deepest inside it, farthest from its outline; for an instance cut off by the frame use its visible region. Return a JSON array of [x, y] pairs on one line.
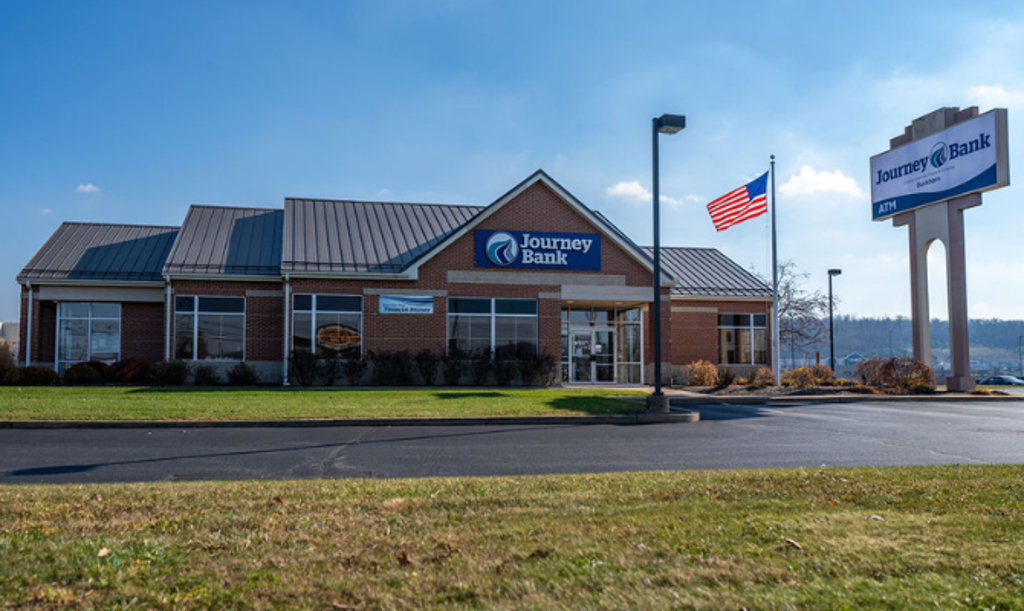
[[834, 272], [671, 124]]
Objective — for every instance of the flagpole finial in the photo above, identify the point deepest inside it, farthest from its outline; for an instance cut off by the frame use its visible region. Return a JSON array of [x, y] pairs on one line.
[[773, 158]]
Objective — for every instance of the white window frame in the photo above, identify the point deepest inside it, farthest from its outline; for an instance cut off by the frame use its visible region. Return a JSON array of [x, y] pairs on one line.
[[493, 314], [750, 327], [60, 365], [195, 314], [313, 313]]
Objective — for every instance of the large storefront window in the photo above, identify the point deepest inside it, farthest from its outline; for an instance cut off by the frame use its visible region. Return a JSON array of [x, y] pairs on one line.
[[602, 345], [495, 325], [209, 328], [88, 332], [328, 325], [742, 339]]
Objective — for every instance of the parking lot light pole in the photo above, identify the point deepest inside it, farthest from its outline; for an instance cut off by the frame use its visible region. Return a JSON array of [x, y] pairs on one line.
[[665, 124], [1020, 362], [831, 337]]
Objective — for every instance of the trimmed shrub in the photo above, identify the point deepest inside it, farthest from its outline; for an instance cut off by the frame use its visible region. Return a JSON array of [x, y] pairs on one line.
[[330, 370], [205, 375], [799, 377], [506, 366], [725, 378], [428, 363], [392, 368], [303, 367], [37, 376], [137, 372], [171, 373], [762, 378], [453, 363], [355, 370], [481, 367], [703, 373], [86, 374], [242, 374], [898, 375], [548, 368], [823, 376], [8, 368]]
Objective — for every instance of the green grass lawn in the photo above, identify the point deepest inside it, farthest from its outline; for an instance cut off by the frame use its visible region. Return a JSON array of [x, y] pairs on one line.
[[139, 403], [893, 538]]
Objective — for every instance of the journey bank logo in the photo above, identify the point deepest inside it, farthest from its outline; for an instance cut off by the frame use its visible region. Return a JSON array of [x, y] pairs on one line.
[[537, 250], [502, 249], [939, 155]]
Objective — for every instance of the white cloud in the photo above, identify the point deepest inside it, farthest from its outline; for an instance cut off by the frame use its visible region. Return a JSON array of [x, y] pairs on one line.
[[46, 211], [992, 96], [811, 181], [636, 193], [87, 188]]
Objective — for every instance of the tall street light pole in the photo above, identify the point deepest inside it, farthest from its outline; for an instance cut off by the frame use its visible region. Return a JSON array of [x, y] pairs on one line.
[[665, 124], [831, 336], [1020, 362]]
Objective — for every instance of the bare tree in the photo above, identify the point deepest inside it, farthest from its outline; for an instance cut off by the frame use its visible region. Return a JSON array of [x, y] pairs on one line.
[[802, 313]]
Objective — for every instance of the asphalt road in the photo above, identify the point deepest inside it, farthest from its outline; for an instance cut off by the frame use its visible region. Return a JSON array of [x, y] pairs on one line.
[[871, 434]]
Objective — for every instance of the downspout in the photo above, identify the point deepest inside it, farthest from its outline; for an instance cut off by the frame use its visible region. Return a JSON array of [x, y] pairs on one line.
[[28, 332], [287, 326], [167, 319]]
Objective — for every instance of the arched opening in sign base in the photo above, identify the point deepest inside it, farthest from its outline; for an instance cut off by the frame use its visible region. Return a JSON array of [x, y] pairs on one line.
[[938, 305]]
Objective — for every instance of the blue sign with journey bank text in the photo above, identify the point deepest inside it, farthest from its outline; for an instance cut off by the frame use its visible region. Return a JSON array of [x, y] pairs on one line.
[[538, 250]]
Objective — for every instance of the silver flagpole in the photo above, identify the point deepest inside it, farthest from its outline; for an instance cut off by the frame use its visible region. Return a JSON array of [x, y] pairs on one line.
[[776, 354]]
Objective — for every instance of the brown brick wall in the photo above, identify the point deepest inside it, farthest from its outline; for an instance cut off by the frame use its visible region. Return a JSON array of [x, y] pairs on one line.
[[142, 331], [695, 334]]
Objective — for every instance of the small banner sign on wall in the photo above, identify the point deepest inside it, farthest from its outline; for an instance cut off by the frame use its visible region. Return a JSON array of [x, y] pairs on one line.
[[538, 250], [403, 304]]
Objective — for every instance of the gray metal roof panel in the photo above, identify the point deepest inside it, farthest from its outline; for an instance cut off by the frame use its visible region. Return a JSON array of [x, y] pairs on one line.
[[99, 251], [706, 272], [351, 236], [232, 241]]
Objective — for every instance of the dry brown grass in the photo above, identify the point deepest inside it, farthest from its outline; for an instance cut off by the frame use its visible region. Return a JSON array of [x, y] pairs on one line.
[[867, 538]]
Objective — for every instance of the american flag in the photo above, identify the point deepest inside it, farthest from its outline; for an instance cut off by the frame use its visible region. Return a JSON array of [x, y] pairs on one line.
[[740, 205]]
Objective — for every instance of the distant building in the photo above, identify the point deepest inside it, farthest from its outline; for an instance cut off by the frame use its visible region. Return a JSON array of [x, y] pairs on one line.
[[11, 332], [536, 269]]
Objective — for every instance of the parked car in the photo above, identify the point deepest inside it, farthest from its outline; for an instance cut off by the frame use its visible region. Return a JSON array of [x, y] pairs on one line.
[[1001, 381]]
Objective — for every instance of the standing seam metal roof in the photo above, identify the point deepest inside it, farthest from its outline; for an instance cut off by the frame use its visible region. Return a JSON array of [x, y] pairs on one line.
[[708, 272], [351, 236], [98, 251], [222, 240]]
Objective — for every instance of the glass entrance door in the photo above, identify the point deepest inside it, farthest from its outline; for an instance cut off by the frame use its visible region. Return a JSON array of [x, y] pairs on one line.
[[582, 349], [593, 356]]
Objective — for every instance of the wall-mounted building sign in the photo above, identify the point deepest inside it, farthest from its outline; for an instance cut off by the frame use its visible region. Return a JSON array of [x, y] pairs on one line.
[[966, 158], [404, 304], [538, 250]]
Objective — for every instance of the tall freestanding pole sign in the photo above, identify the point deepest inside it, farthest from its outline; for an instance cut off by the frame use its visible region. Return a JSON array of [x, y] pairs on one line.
[[937, 169]]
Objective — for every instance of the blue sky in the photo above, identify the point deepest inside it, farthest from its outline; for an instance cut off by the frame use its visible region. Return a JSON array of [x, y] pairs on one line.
[[131, 111]]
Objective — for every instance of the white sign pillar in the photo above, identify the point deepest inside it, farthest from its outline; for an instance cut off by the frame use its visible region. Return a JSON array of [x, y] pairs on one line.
[[943, 222], [930, 175]]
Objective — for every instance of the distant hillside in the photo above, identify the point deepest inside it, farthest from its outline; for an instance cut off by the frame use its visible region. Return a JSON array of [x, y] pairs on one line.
[[994, 343]]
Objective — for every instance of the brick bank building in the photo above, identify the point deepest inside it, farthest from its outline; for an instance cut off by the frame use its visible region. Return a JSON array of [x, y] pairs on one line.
[[535, 269]]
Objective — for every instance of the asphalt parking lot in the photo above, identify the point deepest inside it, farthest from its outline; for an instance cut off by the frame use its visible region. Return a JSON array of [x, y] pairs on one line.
[[873, 433]]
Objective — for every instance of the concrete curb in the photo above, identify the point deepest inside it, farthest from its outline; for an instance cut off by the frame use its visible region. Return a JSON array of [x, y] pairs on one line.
[[676, 416]]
